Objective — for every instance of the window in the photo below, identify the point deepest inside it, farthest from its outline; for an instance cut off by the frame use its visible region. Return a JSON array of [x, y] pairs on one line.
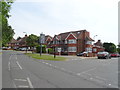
[[89, 49], [71, 49], [95, 50], [65, 41], [72, 41], [89, 42]]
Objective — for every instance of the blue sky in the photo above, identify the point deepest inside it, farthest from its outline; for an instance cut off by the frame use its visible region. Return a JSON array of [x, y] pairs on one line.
[[99, 17]]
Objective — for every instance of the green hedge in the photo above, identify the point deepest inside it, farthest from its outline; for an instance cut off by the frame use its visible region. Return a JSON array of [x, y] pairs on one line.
[[43, 49]]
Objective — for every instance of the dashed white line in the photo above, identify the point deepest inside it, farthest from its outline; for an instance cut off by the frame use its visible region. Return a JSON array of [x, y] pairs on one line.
[[19, 65], [16, 57], [86, 71], [46, 63], [30, 84], [10, 57], [109, 84], [8, 65], [100, 78], [20, 79], [21, 86], [62, 69], [43, 62]]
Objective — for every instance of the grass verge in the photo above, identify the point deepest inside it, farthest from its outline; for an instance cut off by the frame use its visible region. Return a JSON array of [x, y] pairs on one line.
[[46, 57]]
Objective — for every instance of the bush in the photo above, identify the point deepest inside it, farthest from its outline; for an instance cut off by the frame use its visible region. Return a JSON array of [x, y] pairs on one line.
[[50, 50], [43, 49]]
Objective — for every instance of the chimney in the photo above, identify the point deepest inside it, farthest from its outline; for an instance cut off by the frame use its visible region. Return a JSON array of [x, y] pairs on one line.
[[25, 35]]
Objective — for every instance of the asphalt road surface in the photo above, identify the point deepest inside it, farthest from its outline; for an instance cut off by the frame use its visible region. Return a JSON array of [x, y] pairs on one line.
[[21, 71]]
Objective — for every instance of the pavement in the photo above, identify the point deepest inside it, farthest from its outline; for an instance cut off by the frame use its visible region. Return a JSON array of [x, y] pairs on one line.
[[21, 71]]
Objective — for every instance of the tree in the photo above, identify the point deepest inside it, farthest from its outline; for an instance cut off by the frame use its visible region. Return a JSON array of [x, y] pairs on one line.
[[6, 29], [118, 49], [18, 38], [32, 41], [43, 48], [109, 47]]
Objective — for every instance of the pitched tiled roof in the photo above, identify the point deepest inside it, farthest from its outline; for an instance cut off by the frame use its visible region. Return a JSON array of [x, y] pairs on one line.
[[75, 33], [13, 41], [98, 43], [88, 39], [47, 36], [22, 40]]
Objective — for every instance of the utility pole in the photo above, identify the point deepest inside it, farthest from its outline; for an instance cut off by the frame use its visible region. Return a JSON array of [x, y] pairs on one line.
[[54, 47]]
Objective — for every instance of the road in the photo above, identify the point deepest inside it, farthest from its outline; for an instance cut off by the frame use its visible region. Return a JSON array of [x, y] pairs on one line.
[[21, 71]]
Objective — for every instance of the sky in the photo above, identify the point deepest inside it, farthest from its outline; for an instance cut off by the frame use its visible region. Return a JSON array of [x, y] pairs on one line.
[[99, 17]]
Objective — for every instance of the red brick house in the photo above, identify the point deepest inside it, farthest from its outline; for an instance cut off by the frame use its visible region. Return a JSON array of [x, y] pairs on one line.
[[22, 42], [97, 47], [48, 40], [12, 44], [71, 43]]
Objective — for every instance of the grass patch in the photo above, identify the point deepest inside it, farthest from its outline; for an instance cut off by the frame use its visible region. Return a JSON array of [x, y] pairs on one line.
[[46, 57]]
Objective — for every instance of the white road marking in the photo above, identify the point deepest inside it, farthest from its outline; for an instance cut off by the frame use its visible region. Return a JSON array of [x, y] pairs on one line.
[[100, 78], [20, 79], [46, 63], [86, 71], [30, 84], [50, 64], [19, 65], [43, 62], [8, 65], [21, 86], [109, 84], [91, 78], [63, 69], [16, 57], [55, 66], [10, 57]]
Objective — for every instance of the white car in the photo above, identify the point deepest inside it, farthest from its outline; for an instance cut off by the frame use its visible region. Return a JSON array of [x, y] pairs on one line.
[[103, 54]]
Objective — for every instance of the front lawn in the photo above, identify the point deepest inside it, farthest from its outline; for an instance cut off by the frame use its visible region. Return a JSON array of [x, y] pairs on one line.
[[46, 57]]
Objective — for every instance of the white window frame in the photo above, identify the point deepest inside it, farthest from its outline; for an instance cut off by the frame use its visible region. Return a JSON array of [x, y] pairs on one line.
[[89, 42], [72, 49], [72, 41]]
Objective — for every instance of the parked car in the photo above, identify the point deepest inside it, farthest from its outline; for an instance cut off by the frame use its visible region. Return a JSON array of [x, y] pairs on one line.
[[103, 54], [115, 55], [22, 49], [81, 54]]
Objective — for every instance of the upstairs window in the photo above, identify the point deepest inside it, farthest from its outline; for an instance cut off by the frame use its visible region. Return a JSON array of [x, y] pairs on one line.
[[89, 42], [72, 41]]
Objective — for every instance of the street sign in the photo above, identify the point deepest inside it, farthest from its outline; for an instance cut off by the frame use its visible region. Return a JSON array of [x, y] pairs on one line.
[[42, 38], [59, 49]]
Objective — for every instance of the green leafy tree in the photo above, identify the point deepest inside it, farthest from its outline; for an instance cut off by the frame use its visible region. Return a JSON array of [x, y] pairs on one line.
[[32, 41], [110, 47], [43, 48], [118, 49], [5, 28]]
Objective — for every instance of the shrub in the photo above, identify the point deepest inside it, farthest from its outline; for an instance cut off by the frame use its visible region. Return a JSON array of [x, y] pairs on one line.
[[43, 49]]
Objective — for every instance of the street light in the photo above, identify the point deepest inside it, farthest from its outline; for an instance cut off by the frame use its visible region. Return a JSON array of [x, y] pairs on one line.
[[54, 47], [94, 37], [25, 42]]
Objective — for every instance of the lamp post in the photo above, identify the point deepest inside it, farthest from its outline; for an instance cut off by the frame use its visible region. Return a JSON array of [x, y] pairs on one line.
[[94, 37], [54, 47], [78, 42], [25, 42]]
